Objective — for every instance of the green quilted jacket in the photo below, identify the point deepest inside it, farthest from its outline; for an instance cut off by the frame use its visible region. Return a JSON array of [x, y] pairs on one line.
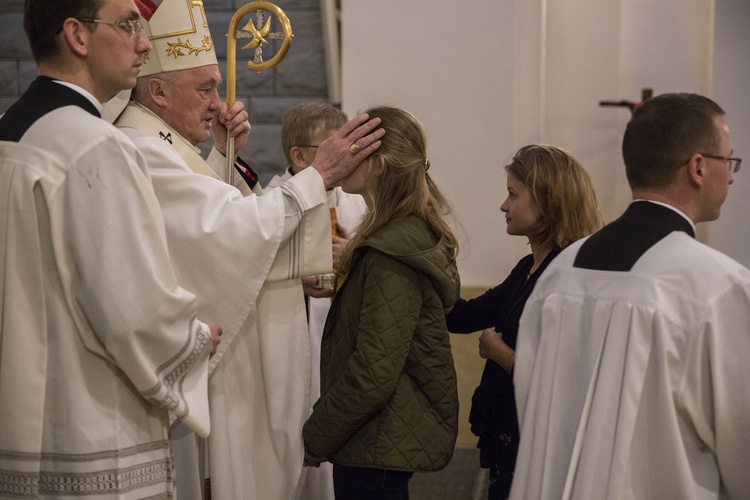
[[388, 385]]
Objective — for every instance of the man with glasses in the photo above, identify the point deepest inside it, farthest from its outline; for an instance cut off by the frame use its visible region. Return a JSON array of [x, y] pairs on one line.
[[98, 342], [134, 27], [631, 366]]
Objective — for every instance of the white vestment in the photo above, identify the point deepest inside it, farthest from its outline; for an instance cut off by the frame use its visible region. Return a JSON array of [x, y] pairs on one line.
[[635, 384], [243, 256], [97, 340], [349, 208]]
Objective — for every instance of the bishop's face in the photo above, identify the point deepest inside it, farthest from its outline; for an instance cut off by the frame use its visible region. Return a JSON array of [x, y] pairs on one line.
[[193, 102], [521, 211]]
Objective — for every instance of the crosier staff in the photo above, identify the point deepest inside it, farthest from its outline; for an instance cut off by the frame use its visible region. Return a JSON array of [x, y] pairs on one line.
[[259, 38]]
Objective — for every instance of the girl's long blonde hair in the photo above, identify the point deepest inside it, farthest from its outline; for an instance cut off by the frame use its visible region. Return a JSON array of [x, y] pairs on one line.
[[398, 183]]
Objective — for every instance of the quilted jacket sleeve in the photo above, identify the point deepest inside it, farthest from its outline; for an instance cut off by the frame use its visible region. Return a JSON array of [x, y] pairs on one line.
[[390, 309]]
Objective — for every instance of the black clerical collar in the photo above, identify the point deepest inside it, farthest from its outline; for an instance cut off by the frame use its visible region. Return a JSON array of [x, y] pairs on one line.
[[692, 224], [43, 96], [85, 93], [619, 245]]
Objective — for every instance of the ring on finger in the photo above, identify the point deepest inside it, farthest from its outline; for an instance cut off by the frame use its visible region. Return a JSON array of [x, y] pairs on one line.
[[354, 148]]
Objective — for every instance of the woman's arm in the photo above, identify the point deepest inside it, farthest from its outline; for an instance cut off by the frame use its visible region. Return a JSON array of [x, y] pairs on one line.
[[492, 346], [469, 316]]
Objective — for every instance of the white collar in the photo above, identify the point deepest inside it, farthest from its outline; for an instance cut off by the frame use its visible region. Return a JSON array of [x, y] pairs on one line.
[[85, 93]]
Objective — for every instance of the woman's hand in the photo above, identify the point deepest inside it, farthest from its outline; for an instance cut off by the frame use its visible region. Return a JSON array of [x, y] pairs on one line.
[[493, 347]]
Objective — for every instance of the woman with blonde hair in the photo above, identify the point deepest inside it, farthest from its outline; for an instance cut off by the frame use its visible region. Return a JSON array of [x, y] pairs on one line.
[[551, 201], [388, 404]]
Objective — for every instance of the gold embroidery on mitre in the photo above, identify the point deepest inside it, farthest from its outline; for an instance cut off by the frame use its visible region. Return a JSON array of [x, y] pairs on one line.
[[175, 49], [178, 28]]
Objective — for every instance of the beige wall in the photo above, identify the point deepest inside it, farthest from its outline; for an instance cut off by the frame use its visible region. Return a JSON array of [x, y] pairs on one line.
[[488, 76], [450, 64], [469, 367], [731, 77]]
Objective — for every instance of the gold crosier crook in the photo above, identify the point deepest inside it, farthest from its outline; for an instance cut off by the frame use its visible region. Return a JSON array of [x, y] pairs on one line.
[[258, 36]]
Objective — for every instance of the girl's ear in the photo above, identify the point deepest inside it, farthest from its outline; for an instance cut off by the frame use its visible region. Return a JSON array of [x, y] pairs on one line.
[[378, 165]]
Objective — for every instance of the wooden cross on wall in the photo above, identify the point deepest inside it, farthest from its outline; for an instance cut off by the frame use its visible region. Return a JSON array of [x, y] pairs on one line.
[[646, 93]]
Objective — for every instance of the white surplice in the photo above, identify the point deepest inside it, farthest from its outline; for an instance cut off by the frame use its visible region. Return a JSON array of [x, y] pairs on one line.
[[242, 256], [318, 483], [97, 340], [635, 384]]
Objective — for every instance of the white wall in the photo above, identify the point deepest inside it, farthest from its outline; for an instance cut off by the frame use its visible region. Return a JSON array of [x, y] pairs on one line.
[[731, 81], [452, 71], [488, 76]]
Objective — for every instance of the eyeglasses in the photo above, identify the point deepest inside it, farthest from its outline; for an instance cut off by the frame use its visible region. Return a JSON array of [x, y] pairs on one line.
[[733, 164], [130, 25]]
